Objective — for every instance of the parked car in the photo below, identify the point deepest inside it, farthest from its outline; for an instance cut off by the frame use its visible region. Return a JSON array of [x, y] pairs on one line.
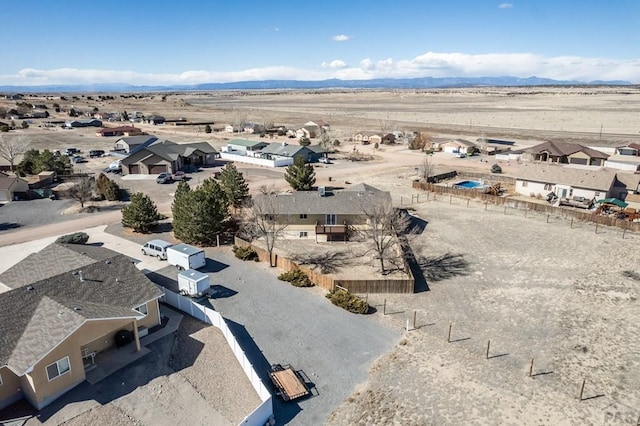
[[78, 159], [163, 178], [157, 248], [71, 151], [324, 160], [180, 175], [96, 153]]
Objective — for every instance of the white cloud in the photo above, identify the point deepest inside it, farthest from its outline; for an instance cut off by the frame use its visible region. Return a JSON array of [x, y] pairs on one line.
[[336, 63], [341, 37], [429, 64], [506, 5]]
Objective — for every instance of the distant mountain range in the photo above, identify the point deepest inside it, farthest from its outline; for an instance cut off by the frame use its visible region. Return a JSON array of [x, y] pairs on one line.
[[378, 83]]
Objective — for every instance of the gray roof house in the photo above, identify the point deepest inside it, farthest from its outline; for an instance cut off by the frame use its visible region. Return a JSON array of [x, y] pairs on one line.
[[131, 144], [565, 181], [164, 156], [92, 122], [310, 153], [54, 326], [326, 215]]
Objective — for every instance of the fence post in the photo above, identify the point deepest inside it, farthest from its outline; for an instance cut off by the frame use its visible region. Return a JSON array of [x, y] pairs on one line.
[[548, 217], [531, 369], [414, 319], [505, 209], [449, 335], [582, 388], [450, 198], [624, 231], [596, 227], [384, 307], [488, 346], [468, 199]]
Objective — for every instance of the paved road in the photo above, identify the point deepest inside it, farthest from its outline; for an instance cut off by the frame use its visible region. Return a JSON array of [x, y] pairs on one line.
[[278, 323]]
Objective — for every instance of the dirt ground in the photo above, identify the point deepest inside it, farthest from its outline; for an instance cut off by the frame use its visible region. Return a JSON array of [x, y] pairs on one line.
[[565, 297]]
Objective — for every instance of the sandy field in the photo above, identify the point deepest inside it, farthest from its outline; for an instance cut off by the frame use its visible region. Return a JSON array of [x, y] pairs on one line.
[[567, 298]]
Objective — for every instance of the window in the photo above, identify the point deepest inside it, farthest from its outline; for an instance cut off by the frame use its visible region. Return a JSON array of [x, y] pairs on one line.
[[570, 192], [303, 215], [524, 183], [330, 219], [597, 194], [58, 368], [142, 309], [0, 380], [303, 234], [547, 187]]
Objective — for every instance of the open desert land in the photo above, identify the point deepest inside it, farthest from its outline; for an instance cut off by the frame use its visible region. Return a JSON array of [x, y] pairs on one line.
[[566, 297]]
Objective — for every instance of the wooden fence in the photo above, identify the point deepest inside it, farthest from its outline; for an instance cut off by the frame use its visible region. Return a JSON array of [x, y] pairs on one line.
[[327, 282], [584, 216]]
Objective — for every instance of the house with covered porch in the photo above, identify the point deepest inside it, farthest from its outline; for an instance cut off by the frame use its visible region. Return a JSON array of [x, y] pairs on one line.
[[66, 307], [164, 156], [323, 215]]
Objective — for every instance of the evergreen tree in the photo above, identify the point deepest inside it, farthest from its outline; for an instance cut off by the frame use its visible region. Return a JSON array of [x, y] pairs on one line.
[[107, 188], [300, 175], [207, 129], [200, 215], [234, 185], [180, 209], [141, 214]]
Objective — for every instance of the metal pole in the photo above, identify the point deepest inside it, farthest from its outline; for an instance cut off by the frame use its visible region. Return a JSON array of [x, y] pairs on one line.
[[488, 346], [217, 240], [582, 388], [547, 217], [384, 307], [449, 336], [531, 368], [414, 319]]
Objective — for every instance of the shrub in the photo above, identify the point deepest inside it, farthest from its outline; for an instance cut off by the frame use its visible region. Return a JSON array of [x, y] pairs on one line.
[[296, 277], [75, 238], [245, 253], [496, 169], [348, 301]]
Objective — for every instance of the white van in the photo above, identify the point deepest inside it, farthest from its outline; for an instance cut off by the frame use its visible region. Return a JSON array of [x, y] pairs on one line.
[[157, 248]]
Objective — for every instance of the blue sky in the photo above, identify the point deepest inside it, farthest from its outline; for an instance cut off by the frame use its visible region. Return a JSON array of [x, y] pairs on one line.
[[190, 41]]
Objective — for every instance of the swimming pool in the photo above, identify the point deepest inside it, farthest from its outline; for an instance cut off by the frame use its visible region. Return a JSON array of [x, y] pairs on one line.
[[469, 184]]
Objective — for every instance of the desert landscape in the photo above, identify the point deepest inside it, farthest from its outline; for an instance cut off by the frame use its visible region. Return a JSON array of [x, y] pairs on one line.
[[508, 293]]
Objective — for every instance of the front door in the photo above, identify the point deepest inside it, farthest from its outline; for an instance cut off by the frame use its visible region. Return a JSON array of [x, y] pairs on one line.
[[330, 219]]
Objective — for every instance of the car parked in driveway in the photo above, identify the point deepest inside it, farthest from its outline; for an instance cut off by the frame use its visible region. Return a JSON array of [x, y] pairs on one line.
[[163, 178], [180, 175], [78, 159], [96, 153]]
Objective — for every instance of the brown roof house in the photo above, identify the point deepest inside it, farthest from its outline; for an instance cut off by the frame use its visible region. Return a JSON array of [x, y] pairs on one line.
[[567, 182], [68, 304], [12, 186], [164, 156], [323, 215], [566, 153], [367, 137]]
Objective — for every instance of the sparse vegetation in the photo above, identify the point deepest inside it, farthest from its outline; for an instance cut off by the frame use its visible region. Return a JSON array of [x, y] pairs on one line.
[[75, 238], [245, 253], [348, 301], [296, 277]]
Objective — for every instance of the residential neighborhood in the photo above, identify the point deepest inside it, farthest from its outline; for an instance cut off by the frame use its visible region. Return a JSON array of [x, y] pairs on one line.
[[329, 258]]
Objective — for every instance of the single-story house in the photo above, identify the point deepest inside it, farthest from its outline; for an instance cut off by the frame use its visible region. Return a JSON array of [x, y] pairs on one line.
[[230, 128], [245, 147], [39, 114], [323, 215], [566, 153], [155, 119], [12, 186], [566, 182], [252, 128], [630, 163], [164, 156], [283, 149], [119, 131], [91, 122], [133, 143], [306, 132], [68, 304], [366, 137], [461, 146], [318, 124], [632, 149]]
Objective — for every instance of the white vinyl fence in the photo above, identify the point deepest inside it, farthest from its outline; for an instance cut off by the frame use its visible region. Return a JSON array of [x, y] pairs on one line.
[[264, 411], [277, 162]]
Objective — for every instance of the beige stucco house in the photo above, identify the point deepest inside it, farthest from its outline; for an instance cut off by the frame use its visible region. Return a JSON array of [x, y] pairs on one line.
[[12, 186], [323, 215], [67, 305], [566, 153]]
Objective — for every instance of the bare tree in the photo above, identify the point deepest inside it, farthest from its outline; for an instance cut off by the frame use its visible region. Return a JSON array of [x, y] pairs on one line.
[[263, 222], [384, 224], [82, 191], [12, 148], [427, 168], [385, 125]]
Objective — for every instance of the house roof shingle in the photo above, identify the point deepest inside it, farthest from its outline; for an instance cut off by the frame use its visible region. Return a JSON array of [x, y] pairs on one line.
[[565, 148], [310, 202], [35, 318], [601, 179]]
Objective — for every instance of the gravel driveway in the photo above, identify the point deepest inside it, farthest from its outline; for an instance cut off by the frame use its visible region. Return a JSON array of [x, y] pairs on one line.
[[278, 323]]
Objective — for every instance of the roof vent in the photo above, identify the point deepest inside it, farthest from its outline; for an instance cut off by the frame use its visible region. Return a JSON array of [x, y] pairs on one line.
[[322, 191], [77, 308], [30, 288], [108, 262]]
